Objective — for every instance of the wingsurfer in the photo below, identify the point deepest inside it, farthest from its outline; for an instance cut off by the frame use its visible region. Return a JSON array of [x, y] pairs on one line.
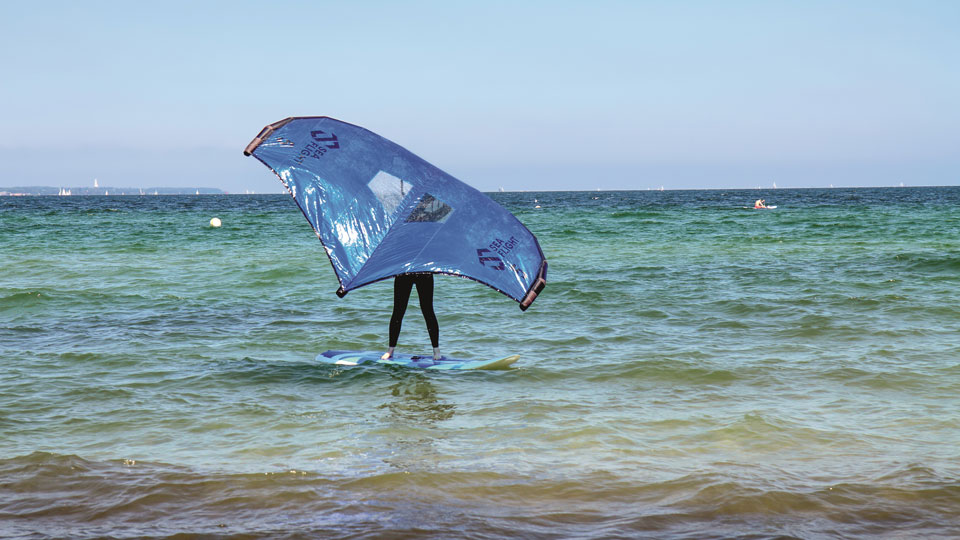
[[402, 286], [760, 204]]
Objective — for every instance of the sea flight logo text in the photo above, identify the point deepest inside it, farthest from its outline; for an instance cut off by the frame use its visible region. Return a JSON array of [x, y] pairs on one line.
[[319, 146], [491, 260]]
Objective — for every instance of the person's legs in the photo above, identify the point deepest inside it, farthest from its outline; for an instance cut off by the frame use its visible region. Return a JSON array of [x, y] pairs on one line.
[[401, 295], [425, 293]]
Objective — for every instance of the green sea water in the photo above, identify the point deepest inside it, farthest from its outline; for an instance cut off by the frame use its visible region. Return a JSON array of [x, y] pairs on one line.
[[693, 369]]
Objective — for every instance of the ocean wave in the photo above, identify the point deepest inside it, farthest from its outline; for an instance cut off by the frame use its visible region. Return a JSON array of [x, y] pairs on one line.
[[673, 370], [22, 299], [43, 495], [925, 263]]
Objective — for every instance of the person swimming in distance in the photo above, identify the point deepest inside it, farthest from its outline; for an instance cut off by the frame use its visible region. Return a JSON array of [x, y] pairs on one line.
[[760, 204], [402, 285]]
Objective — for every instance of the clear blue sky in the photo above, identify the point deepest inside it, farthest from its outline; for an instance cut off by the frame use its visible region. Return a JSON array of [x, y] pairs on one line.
[[524, 95]]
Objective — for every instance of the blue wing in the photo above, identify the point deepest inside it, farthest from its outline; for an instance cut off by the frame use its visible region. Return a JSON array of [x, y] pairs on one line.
[[381, 211]]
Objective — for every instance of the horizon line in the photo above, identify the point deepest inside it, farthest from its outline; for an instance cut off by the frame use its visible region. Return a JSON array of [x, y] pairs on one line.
[[6, 191]]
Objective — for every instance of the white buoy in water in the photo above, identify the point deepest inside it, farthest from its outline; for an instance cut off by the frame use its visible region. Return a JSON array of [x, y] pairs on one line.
[[215, 222]]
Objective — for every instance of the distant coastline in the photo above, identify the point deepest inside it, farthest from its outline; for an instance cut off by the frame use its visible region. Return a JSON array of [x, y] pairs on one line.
[[26, 191]]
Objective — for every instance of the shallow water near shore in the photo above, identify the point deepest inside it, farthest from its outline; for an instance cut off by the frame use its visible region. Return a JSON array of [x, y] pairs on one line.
[[694, 369]]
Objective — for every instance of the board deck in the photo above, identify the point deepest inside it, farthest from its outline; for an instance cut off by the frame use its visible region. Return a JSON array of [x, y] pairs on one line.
[[415, 361]]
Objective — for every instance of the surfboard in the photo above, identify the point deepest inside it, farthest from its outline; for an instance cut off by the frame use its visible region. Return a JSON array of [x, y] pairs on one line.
[[415, 361]]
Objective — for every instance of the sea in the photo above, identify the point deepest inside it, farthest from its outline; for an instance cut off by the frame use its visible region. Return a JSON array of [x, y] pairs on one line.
[[694, 369]]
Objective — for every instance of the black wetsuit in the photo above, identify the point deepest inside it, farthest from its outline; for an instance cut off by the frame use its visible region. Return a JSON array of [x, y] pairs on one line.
[[401, 295]]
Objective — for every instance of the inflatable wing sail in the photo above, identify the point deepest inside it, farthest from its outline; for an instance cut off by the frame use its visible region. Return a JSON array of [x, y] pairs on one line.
[[381, 211]]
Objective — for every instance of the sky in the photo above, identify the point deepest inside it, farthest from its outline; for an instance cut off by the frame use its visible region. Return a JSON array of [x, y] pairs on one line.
[[520, 95]]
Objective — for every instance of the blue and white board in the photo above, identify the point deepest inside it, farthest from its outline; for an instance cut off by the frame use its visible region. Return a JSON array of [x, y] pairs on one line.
[[417, 361]]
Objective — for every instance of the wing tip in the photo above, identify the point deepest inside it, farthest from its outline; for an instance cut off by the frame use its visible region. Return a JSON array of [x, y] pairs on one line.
[[264, 134], [536, 288]]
